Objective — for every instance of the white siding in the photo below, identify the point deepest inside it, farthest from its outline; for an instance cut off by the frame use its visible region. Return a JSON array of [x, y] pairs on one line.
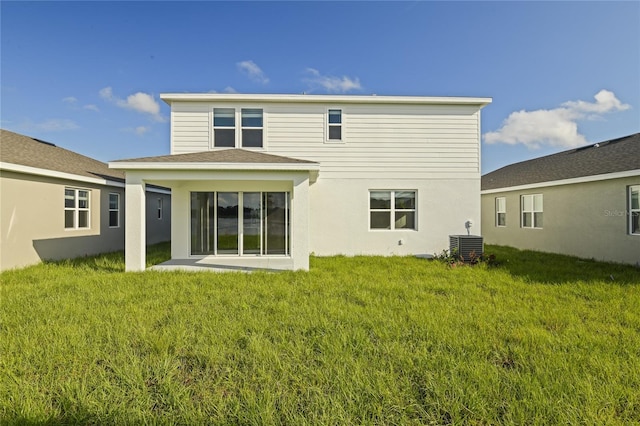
[[385, 141], [189, 127]]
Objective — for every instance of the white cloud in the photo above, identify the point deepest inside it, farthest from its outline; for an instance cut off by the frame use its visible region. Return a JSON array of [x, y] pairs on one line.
[[106, 93], [556, 127], [92, 107], [140, 102], [252, 71], [141, 130], [70, 100], [229, 89], [606, 101], [331, 84], [52, 125]]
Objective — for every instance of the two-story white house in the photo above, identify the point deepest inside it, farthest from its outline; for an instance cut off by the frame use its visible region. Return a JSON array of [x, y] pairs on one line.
[[264, 180]]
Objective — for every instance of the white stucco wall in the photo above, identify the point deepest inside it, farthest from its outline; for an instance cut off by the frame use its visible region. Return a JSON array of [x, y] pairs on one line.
[[32, 221], [339, 211], [587, 220]]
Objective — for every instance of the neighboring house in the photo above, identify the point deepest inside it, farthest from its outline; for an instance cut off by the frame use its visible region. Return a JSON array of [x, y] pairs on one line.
[[265, 180], [582, 202], [57, 204]]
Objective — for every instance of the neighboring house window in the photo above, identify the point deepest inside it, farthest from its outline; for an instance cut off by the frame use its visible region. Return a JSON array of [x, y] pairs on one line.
[[76, 208], [392, 210], [334, 125], [532, 211], [634, 210], [251, 128], [114, 210], [224, 127], [501, 211], [159, 208]]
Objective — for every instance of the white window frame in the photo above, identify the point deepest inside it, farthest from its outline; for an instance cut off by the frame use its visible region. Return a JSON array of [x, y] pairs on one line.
[[76, 209], [214, 127], [117, 210], [533, 211], [242, 128], [237, 127], [632, 210], [159, 210], [329, 125], [392, 210], [501, 210], [288, 229]]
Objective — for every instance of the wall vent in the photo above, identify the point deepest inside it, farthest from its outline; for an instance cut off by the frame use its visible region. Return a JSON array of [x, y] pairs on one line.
[[466, 246]]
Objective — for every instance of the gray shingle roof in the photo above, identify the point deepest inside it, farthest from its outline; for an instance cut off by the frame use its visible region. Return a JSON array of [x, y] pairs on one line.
[[232, 155], [26, 151], [616, 155]]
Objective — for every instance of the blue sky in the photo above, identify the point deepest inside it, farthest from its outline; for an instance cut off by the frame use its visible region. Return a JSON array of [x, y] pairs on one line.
[[87, 75]]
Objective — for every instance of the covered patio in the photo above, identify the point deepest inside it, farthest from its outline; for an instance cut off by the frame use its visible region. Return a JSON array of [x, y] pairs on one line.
[[231, 208]]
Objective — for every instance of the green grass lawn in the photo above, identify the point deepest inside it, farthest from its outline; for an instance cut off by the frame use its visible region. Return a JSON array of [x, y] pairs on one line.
[[539, 339]]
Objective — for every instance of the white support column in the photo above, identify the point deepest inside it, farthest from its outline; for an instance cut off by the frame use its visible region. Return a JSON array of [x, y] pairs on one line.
[[180, 222], [300, 222], [135, 251]]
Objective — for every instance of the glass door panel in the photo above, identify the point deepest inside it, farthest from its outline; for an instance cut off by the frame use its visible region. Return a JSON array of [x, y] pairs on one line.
[[202, 224], [276, 221], [227, 223], [251, 223]]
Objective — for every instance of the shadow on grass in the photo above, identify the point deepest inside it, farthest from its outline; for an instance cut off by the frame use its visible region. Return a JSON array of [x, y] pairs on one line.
[[551, 268], [114, 262]]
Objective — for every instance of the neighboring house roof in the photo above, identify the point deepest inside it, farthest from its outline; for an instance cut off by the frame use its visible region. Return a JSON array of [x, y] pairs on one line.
[[612, 156], [33, 154], [232, 155]]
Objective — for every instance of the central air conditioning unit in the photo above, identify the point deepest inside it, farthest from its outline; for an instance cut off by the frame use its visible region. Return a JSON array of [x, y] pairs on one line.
[[468, 247]]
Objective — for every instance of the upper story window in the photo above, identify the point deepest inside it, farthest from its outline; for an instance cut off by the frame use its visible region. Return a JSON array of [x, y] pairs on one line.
[[251, 127], [392, 209], [531, 211], [76, 208], [634, 210], [227, 120], [224, 127], [114, 210], [334, 125], [501, 211]]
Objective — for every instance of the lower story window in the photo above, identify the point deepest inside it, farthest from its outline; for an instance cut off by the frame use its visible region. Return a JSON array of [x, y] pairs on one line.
[[531, 211], [501, 211], [76, 208], [159, 213], [392, 209], [634, 210], [240, 223], [114, 210]]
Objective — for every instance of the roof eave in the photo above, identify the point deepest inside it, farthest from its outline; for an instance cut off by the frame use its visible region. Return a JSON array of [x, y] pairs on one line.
[[131, 165], [19, 168], [312, 168], [582, 179], [342, 99]]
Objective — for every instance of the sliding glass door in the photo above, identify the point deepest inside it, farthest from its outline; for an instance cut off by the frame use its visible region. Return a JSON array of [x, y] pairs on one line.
[[251, 223], [276, 223], [240, 223], [227, 223], [202, 223]]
